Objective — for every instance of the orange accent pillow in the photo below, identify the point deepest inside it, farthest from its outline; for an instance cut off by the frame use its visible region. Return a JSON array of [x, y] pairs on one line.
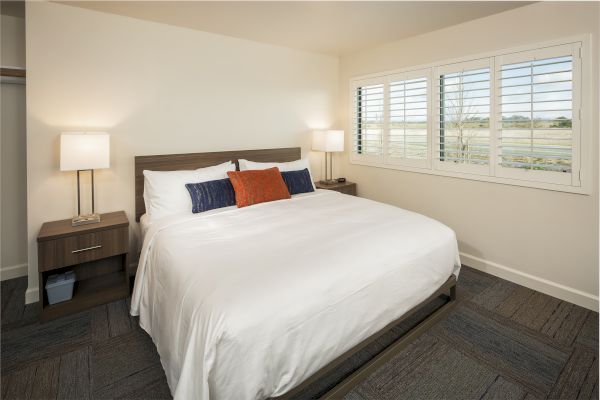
[[258, 186]]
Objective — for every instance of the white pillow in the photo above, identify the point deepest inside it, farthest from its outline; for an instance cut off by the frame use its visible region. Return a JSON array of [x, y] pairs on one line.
[[297, 165], [165, 192]]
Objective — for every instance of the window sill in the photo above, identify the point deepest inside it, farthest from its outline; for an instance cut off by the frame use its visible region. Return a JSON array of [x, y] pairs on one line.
[[483, 178]]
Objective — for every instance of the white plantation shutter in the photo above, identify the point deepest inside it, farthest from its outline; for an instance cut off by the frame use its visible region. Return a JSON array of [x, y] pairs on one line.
[[368, 119], [514, 117], [408, 122], [463, 109], [538, 114]]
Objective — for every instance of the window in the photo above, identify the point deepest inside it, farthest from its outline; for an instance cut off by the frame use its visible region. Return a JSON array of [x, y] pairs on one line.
[[408, 125], [369, 119], [535, 113], [462, 131], [510, 118]]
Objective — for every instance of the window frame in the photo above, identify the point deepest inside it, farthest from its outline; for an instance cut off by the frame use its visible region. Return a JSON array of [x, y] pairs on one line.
[[359, 157], [449, 69], [404, 76], [572, 178], [581, 182]]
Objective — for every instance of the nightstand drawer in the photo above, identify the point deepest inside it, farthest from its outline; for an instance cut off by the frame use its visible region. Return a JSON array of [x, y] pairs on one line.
[[76, 249]]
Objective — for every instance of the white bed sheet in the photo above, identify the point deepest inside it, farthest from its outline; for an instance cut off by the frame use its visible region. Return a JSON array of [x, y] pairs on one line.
[[248, 303]]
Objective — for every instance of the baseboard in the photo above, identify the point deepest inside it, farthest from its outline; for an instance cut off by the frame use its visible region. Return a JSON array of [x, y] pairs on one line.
[[17, 271], [546, 286], [32, 295], [13, 271], [554, 289]]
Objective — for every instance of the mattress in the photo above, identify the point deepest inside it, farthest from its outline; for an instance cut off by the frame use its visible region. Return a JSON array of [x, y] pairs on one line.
[[248, 303]]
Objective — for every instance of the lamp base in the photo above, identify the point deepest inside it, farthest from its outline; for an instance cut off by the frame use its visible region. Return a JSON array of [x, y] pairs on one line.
[[85, 219]]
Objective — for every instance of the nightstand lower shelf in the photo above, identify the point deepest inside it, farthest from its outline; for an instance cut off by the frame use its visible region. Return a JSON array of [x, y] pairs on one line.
[[88, 293]]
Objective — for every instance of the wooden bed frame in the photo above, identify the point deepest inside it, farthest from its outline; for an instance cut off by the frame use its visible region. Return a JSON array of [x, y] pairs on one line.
[[171, 162]]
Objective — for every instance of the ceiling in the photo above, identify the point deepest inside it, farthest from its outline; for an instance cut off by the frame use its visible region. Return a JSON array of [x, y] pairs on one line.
[[334, 28]]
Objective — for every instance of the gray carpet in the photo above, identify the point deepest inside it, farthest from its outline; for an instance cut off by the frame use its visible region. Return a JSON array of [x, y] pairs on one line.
[[502, 341]]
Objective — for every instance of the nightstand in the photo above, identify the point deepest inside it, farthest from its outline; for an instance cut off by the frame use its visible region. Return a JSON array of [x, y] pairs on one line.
[[345, 187], [97, 253]]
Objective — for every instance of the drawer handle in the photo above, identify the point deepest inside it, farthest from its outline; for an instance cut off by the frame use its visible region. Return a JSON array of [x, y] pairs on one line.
[[86, 249]]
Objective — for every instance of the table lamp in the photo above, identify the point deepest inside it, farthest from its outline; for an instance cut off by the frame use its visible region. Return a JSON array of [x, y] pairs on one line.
[[84, 152], [329, 141]]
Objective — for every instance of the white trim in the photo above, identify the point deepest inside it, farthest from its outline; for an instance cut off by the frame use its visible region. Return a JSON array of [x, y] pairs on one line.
[[546, 286], [32, 295], [483, 178], [571, 39], [13, 271]]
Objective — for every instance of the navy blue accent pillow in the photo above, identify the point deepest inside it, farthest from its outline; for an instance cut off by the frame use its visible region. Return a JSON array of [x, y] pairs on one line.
[[298, 181], [210, 195]]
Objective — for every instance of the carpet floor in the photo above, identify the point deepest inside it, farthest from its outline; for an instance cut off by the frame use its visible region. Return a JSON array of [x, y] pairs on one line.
[[501, 341]]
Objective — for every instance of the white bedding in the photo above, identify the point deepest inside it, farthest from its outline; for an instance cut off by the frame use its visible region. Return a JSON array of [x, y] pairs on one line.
[[247, 303]]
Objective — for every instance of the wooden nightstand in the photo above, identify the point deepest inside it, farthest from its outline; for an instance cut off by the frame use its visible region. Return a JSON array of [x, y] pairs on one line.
[[345, 187], [99, 255]]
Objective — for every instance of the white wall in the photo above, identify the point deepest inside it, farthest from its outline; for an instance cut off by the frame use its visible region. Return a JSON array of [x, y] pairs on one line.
[[162, 89], [13, 188], [157, 89], [545, 240]]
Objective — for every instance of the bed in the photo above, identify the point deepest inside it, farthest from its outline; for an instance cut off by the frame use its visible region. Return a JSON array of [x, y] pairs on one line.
[[261, 301]]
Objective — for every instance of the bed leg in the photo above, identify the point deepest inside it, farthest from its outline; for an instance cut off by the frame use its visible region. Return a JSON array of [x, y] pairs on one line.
[[453, 292]]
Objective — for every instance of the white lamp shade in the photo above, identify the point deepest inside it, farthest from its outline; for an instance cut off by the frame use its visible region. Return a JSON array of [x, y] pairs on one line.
[[329, 141], [80, 151]]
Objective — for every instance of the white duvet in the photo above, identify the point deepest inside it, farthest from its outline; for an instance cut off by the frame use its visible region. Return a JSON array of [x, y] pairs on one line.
[[248, 303]]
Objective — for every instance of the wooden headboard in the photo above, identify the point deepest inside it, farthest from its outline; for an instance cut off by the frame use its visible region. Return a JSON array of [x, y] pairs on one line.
[[172, 162]]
